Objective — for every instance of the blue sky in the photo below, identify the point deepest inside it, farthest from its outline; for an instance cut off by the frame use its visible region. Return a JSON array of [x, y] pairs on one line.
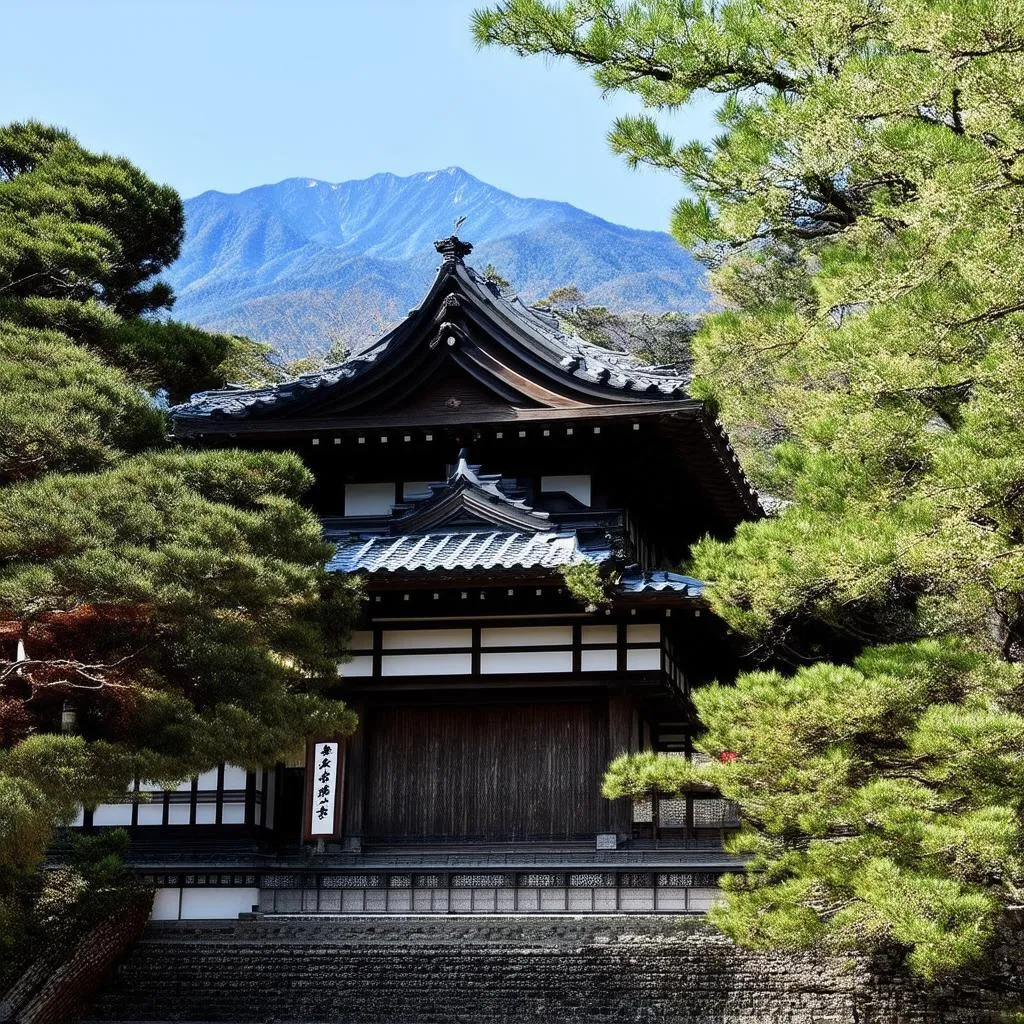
[[224, 94]]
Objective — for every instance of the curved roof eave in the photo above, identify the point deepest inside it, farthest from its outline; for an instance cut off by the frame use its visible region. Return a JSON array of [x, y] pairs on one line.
[[531, 335]]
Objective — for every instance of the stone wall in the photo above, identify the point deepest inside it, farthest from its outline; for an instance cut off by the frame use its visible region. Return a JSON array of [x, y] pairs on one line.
[[58, 986], [611, 970]]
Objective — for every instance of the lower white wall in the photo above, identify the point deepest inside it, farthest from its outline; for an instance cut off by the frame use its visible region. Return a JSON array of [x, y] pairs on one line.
[[165, 905], [151, 814], [426, 665], [198, 904], [173, 904], [112, 814], [643, 658], [599, 661], [526, 661]]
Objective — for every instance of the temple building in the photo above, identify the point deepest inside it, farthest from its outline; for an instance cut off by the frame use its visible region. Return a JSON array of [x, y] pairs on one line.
[[464, 463]]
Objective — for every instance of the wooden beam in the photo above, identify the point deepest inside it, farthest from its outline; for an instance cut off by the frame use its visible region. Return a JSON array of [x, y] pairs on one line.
[[201, 425]]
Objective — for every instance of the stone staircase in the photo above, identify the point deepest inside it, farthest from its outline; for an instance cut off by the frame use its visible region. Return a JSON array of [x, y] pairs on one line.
[[466, 970]]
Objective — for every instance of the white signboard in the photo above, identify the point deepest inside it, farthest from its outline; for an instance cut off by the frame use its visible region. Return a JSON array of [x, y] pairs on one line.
[[323, 790]]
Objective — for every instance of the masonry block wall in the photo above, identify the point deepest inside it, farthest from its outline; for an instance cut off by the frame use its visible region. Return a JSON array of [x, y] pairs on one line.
[[58, 987], [508, 971]]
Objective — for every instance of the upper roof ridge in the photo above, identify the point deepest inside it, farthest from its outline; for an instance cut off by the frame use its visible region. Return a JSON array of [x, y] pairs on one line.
[[613, 374], [574, 351]]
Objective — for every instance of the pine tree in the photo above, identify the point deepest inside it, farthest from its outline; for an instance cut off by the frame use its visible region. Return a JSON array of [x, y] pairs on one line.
[[172, 603], [861, 208], [494, 276]]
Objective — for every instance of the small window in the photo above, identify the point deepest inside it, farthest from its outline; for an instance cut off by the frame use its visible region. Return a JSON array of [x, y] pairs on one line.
[[369, 499], [576, 486]]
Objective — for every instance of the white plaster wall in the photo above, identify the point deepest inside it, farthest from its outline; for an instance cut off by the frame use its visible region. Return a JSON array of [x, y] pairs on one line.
[[233, 814], [702, 899], [362, 640], [426, 665], [525, 636], [670, 899], [206, 814], [599, 661], [112, 814], [151, 813], [178, 814], [643, 633], [359, 666], [577, 484], [637, 661], [217, 904], [599, 634], [369, 499], [404, 639], [165, 905], [526, 661], [636, 899]]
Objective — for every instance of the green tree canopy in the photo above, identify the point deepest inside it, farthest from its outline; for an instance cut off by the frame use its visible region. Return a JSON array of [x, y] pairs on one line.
[[861, 209], [176, 601]]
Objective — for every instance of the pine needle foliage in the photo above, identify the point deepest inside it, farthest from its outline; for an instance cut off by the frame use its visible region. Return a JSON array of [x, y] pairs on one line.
[[174, 601], [587, 584], [861, 210]]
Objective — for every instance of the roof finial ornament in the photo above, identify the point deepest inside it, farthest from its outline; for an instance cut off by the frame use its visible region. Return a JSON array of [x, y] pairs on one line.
[[462, 469], [453, 248]]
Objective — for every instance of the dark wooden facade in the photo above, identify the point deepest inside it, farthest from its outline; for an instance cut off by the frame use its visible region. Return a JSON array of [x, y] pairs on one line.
[[493, 769]]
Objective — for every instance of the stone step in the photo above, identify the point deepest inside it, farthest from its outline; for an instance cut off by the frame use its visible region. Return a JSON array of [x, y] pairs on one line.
[[499, 971]]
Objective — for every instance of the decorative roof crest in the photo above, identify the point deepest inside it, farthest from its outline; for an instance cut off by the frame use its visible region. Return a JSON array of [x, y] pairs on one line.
[[467, 496], [453, 249], [463, 471]]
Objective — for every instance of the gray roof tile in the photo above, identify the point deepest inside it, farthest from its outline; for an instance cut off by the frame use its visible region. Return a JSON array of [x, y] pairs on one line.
[[485, 549], [637, 581]]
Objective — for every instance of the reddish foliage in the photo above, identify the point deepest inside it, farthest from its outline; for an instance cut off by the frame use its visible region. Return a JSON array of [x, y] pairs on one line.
[[89, 653], [15, 722]]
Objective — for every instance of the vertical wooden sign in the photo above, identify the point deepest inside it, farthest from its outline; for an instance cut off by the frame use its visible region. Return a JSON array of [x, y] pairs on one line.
[[324, 783]]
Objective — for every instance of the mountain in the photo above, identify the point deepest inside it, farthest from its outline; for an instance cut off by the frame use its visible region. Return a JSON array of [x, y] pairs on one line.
[[304, 262]]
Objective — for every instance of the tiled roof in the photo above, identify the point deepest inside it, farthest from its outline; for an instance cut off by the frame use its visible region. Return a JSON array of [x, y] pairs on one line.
[[581, 358], [539, 330], [475, 522], [470, 521], [636, 581], [238, 399], [494, 550], [457, 550]]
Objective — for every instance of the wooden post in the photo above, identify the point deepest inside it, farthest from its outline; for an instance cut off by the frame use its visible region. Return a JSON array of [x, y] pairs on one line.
[[355, 776], [620, 728]]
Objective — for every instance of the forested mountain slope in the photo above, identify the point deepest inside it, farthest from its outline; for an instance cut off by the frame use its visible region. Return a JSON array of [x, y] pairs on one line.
[[305, 263]]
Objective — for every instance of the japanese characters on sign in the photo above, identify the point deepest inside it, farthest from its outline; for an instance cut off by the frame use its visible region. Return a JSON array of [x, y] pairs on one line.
[[323, 789]]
